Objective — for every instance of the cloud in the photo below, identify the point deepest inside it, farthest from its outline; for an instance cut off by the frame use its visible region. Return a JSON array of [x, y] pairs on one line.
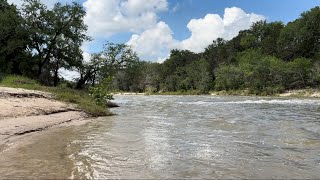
[[68, 75], [213, 26], [106, 18], [155, 43], [176, 7], [203, 32]]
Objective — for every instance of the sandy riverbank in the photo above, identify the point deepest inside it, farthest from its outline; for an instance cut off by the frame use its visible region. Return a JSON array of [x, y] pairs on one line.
[[302, 93], [25, 111]]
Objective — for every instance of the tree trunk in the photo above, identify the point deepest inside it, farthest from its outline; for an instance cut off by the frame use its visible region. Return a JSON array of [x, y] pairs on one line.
[[56, 73], [39, 70], [82, 81]]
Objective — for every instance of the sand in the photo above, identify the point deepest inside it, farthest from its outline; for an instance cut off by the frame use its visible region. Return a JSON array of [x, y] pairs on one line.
[[23, 112], [314, 93]]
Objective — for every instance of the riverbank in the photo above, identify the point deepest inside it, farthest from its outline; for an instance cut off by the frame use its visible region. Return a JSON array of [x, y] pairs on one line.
[[23, 112], [308, 93], [302, 93], [81, 99]]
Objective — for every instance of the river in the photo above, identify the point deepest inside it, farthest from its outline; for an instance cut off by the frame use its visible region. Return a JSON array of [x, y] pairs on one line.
[[165, 137]]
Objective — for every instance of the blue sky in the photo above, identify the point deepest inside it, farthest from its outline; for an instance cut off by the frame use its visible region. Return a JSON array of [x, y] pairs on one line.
[[273, 10], [154, 27]]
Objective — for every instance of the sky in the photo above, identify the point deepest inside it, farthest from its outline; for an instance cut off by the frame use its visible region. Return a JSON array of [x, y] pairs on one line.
[[154, 27]]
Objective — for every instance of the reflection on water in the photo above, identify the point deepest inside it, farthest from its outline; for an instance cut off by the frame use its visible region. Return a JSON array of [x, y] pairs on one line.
[[181, 137]]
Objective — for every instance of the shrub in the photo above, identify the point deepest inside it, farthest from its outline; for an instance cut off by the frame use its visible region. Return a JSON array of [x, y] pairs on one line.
[[101, 93]]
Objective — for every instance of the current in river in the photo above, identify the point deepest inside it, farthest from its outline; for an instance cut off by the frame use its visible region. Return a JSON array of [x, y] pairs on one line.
[[164, 137]]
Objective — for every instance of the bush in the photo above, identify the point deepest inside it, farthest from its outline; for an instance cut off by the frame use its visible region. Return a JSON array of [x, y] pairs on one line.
[[101, 93]]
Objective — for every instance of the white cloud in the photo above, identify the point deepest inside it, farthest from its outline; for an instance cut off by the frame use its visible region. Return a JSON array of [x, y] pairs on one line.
[[68, 75], [212, 26], [154, 43], [106, 18], [203, 32]]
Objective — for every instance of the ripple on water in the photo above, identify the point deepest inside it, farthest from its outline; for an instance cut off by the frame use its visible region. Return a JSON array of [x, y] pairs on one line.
[[185, 137]]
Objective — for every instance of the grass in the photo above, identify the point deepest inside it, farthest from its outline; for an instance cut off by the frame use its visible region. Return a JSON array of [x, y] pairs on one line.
[[81, 98]]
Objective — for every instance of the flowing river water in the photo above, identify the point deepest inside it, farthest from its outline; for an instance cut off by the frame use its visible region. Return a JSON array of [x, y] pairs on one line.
[[180, 137]]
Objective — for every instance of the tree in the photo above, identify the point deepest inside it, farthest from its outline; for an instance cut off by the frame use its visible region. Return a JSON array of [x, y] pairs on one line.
[[262, 36], [53, 33], [13, 39], [116, 57], [112, 59], [229, 77], [130, 78], [151, 76], [301, 37], [89, 71], [299, 71], [216, 53]]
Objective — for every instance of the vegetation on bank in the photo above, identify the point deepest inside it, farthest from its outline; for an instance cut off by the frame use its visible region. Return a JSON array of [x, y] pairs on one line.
[[82, 99]]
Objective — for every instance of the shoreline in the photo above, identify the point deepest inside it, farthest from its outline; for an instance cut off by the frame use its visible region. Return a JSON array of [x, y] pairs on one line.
[[299, 93], [28, 112]]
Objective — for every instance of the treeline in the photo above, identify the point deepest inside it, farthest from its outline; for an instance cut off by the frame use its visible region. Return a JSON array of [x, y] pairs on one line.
[[266, 59], [38, 42]]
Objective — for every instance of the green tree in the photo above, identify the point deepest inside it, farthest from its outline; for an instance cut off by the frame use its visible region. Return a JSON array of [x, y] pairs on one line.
[[151, 76], [195, 76], [300, 38], [112, 60], [89, 71], [262, 35], [13, 40], [217, 54], [116, 57], [229, 77], [300, 73], [130, 78], [54, 32]]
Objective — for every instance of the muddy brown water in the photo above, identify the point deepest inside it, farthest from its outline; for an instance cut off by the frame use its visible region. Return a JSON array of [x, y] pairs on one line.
[[180, 137]]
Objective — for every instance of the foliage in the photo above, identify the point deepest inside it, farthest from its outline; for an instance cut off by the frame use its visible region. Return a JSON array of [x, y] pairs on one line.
[[101, 93], [56, 36], [114, 58], [13, 40], [229, 77]]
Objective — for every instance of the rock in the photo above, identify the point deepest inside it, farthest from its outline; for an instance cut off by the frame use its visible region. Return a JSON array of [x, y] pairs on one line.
[[112, 104]]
